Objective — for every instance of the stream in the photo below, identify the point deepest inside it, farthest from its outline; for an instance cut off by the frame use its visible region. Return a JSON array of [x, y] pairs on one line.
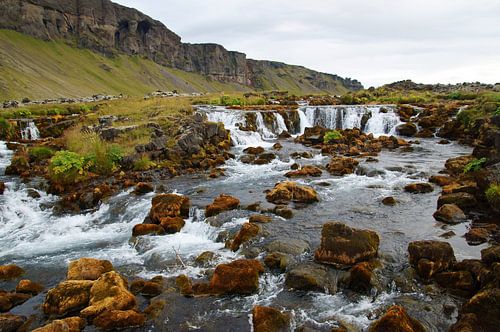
[[43, 242]]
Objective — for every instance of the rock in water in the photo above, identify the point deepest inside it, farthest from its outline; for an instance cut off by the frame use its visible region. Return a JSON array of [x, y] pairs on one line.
[[11, 323], [2, 187], [266, 319], [450, 214], [305, 171], [419, 188], [28, 287], [71, 324], [148, 229], [88, 269], [69, 296], [169, 205], [396, 320], [222, 203], [430, 257], [286, 192], [463, 200], [11, 271], [406, 129], [308, 277], [247, 232], [344, 246], [342, 165], [480, 313], [118, 319]]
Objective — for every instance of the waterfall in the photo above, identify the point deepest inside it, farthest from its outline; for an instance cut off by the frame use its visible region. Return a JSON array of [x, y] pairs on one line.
[[304, 122], [262, 128], [280, 123], [30, 132]]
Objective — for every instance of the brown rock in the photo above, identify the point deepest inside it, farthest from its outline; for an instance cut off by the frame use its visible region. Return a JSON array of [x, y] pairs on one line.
[[2, 187], [172, 225], [389, 201], [463, 200], [185, 285], [28, 287], [88, 269], [109, 292], [345, 246], [143, 188], [247, 232], [11, 271], [342, 165], [305, 171], [205, 258], [283, 211], [480, 313], [148, 229], [430, 257], [419, 188], [406, 129], [119, 319], [491, 255], [459, 280], [396, 320], [441, 180], [457, 165], [360, 277], [266, 319], [146, 288], [222, 203], [285, 192], [477, 236], [450, 214], [259, 219], [11, 323], [71, 324], [69, 296], [307, 277], [254, 150], [169, 205], [276, 260]]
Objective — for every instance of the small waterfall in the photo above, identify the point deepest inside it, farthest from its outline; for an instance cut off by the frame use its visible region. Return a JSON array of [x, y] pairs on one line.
[[262, 128], [304, 122], [29, 131], [280, 123]]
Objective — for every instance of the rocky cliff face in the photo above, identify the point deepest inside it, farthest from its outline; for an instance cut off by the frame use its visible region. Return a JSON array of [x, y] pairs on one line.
[[108, 28]]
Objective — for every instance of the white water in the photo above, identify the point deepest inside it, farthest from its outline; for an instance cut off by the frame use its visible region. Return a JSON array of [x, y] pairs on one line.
[[30, 132], [280, 123]]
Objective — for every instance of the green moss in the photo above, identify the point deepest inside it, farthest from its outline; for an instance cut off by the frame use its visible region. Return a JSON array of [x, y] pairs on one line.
[[493, 195], [332, 136], [475, 165], [39, 153]]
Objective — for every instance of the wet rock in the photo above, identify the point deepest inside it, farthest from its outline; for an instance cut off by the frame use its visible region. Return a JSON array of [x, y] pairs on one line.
[[343, 246], [491, 255], [69, 296], [457, 165], [430, 257], [146, 288], [283, 211], [278, 146], [305, 171], [254, 150], [205, 258], [169, 205], [419, 188], [247, 232], [277, 260], [143, 188], [477, 235], [480, 313], [362, 278], [33, 193], [71, 324], [10, 300], [2, 187], [339, 166], [308, 277], [286, 192], [304, 154], [288, 246], [109, 292], [19, 164], [28, 287], [450, 214], [464, 201], [222, 203], [172, 225], [119, 319], [295, 166], [444, 142], [147, 229], [406, 129], [264, 158], [11, 271], [396, 319], [266, 319], [88, 269], [441, 180], [389, 201], [457, 280], [11, 323], [448, 235], [238, 277], [184, 285], [260, 219]]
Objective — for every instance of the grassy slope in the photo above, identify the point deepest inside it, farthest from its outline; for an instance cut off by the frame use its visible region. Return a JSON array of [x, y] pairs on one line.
[[39, 69]]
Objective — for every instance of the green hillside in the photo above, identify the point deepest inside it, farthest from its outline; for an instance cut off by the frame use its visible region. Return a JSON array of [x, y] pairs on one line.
[[39, 69]]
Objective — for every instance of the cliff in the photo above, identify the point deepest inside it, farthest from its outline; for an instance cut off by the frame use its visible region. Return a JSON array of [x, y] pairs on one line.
[[110, 29]]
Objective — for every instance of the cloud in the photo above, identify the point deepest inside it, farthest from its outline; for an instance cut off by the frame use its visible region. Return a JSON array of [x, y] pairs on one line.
[[375, 41]]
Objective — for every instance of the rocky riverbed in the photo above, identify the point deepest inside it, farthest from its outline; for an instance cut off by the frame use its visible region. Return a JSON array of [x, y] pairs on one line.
[[293, 233]]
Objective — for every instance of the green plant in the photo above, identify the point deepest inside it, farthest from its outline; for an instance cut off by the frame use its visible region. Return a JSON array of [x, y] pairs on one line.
[[493, 195], [67, 167], [5, 129], [475, 165], [104, 158], [332, 135], [39, 153], [143, 164], [22, 113]]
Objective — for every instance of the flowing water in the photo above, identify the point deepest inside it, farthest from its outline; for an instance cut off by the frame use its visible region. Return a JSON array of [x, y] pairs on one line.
[[30, 131], [36, 237]]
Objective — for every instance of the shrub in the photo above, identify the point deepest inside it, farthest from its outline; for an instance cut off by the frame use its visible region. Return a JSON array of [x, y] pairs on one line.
[[67, 167], [493, 195], [475, 165], [104, 158], [143, 164], [5, 129], [332, 136], [22, 113], [39, 153]]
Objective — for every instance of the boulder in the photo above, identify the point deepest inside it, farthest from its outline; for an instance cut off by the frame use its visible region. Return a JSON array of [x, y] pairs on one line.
[[283, 211], [457, 165], [339, 166], [491, 255], [286, 192], [143, 188], [450, 214], [148, 229], [71, 324], [11, 323], [247, 232], [172, 225], [396, 320], [222, 203], [288, 246], [205, 258], [361, 277], [464, 201], [344, 246], [239, 277], [419, 188], [146, 288], [477, 235], [109, 292], [267, 319], [456, 280], [441, 180], [305, 171], [184, 285], [88, 269], [69, 296], [277, 260], [260, 219], [480, 313], [169, 205], [111, 320], [406, 129], [11, 271], [28, 287], [389, 201], [10, 300], [430, 257], [308, 277], [254, 150]]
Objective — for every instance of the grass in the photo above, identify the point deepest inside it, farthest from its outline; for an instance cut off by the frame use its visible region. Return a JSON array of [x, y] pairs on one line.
[[493, 195]]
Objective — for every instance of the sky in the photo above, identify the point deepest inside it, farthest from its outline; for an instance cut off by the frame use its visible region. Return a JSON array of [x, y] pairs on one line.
[[373, 41]]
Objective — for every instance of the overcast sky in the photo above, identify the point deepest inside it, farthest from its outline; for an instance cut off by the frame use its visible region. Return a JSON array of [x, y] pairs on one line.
[[374, 41]]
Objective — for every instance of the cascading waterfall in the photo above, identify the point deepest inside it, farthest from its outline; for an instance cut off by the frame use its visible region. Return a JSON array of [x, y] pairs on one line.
[[280, 123], [30, 131]]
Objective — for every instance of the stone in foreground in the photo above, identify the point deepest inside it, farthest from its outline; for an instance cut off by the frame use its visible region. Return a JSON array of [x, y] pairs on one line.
[[88, 269], [286, 192], [266, 319], [396, 320], [222, 203], [430, 257]]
